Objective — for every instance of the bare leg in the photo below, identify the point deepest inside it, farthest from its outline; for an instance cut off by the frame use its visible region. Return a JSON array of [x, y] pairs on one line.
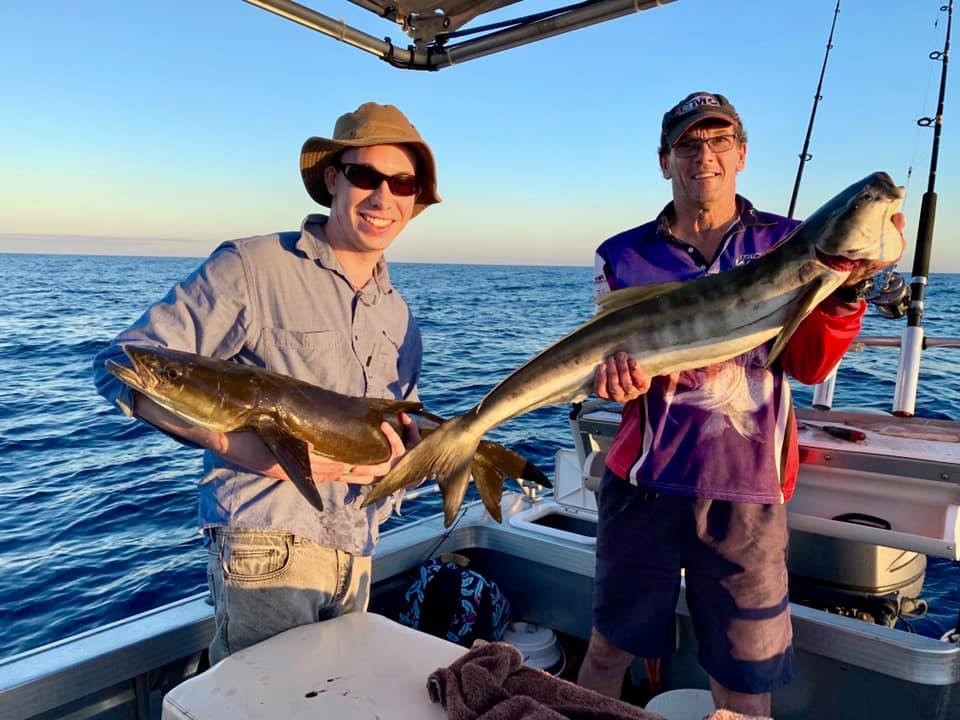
[[603, 666], [744, 703]]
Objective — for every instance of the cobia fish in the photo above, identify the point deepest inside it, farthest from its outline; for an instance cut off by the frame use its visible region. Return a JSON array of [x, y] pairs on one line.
[[287, 414], [675, 326]]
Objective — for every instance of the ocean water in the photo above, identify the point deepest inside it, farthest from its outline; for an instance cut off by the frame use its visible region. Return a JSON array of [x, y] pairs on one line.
[[97, 512]]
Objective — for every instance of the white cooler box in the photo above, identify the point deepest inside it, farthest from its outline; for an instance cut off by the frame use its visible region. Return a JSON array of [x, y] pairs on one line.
[[359, 665]]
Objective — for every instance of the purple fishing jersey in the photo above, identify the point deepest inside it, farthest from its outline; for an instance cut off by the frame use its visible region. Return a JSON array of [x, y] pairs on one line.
[[726, 431]]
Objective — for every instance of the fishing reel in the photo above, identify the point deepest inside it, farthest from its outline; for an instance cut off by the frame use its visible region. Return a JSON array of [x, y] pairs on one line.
[[890, 294]]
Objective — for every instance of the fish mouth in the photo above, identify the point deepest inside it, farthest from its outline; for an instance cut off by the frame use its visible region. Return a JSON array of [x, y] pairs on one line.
[[127, 376], [137, 377], [840, 263]]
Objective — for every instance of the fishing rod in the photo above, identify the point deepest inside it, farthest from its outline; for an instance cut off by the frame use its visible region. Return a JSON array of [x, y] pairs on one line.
[[905, 395], [805, 156], [890, 294], [886, 296]]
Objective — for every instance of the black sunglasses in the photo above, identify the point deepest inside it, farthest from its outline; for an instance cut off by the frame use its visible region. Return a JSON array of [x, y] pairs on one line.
[[368, 178]]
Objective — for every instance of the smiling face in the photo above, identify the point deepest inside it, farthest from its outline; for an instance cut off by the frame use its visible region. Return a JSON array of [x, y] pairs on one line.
[[367, 221], [706, 178]]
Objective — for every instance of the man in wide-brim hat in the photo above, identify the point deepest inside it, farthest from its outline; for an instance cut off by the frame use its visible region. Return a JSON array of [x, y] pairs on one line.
[[375, 174], [317, 305]]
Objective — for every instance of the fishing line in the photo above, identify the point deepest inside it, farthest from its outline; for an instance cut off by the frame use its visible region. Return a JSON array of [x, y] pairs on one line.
[[919, 128], [446, 534]]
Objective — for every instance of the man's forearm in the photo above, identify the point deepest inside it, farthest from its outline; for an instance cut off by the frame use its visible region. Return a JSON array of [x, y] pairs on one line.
[[242, 448]]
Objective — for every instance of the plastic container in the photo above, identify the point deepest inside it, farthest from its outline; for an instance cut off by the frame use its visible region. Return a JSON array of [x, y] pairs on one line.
[[682, 704], [538, 645]]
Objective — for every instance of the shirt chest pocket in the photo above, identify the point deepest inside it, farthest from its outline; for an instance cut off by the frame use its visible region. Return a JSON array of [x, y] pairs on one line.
[[315, 356], [383, 368]]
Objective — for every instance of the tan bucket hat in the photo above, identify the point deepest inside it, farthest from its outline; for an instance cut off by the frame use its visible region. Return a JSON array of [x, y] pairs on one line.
[[369, 124]]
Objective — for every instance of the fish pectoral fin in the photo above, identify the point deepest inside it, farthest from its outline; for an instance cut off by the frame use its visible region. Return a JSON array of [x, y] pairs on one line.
[[630, 296], [294, 458], [801, 309], [388, 407]]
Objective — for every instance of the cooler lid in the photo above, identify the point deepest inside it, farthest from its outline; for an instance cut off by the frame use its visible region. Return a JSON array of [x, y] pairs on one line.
[[359, 665]]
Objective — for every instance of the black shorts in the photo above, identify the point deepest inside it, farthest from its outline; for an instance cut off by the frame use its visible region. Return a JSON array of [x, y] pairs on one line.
[[734, 560]]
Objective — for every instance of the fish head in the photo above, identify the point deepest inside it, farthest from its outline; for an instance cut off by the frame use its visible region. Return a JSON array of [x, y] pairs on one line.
[[856, 227], [195, 388]]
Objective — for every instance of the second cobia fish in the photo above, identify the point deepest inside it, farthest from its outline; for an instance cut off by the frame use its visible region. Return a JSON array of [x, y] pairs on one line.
[[675, 326], [286, 414]]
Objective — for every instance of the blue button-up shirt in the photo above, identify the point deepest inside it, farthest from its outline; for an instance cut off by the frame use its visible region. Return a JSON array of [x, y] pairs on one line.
[[283, 302]]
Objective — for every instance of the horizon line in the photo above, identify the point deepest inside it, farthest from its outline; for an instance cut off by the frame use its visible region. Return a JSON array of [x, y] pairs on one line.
[[204, 257]]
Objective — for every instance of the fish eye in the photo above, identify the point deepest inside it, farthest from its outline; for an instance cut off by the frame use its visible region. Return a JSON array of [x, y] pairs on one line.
[[172, 373]]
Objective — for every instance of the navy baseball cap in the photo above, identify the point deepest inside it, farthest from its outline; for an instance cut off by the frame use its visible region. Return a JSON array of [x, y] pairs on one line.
[[694, 108]]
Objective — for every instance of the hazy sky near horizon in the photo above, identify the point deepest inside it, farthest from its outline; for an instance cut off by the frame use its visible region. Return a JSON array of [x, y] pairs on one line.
[[163, 128]]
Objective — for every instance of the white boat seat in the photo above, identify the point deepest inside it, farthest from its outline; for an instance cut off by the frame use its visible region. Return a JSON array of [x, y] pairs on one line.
[[359, 665]]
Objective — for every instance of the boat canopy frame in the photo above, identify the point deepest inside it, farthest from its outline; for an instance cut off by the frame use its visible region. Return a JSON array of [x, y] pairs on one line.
[[437, 28]]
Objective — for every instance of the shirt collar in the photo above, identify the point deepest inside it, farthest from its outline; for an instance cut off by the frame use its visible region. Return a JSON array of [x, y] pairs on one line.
[[748, 217], [314, 245]]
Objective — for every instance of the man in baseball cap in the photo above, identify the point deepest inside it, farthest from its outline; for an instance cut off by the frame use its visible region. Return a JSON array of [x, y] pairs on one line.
[[317, 305], [704, 460]]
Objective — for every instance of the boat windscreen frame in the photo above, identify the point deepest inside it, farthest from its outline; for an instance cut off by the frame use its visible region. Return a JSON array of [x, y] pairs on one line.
[[435, 43]]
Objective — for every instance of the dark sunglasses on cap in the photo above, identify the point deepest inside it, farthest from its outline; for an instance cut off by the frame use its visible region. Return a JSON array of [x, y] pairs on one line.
[[368, 178]]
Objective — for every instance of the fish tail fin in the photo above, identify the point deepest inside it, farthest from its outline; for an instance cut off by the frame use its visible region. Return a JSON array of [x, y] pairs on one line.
[[492, 465], [447, 454], [489, 481]]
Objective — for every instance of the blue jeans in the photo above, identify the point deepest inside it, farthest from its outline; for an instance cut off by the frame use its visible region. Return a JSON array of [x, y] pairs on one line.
[[263, 583]]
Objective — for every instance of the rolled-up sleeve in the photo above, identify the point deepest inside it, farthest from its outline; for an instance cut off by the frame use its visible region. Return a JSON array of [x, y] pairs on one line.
[[207, 313]]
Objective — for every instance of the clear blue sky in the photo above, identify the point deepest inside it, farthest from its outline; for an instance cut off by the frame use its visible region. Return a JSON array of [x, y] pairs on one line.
[[163, 127]]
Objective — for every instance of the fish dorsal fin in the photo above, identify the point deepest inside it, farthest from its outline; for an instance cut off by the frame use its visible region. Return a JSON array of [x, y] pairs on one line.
[[801, 309], [617, 299], [388, 406]]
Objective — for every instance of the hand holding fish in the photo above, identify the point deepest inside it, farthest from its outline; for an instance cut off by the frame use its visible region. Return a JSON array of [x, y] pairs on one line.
[[323, 469], [620, 378]]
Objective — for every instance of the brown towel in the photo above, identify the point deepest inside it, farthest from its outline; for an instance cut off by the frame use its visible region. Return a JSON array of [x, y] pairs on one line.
[[491, 683]]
